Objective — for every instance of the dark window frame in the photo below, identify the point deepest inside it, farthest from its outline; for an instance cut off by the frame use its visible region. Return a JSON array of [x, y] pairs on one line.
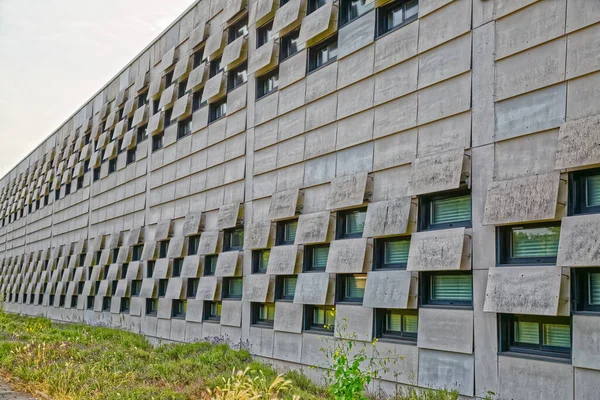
[[232, 30], [136, 287], [381, 332], [580, 290], [226, 283], [227, 239], [197, 102], [346, 12], [286, 45], [279, 282], [192, 287], [175, 312], [379, 253], [206, 315], [307, 265], [153, 309], [136, 252], [381, 28], [197, 58], [163, 248], [263, 32], [125, 305], [255, 312], [310, 327], [504, 246], [232, 74], [340, 289], [425, 293], [256, 261], [261, 80], [425, 203], [280, 232], [215, 67], [177, 267], [157, 142], [207, 262], [311, 61], [577, 191], [184, 128], [193, 245], [214, 110], [340, 221], [313, 5], [131, 156]]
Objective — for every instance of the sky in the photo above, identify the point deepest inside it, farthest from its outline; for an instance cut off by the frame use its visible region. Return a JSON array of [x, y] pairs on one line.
[[56, 54]]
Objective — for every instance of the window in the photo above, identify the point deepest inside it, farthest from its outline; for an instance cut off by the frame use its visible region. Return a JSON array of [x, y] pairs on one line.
[[67, 191], [163, 249], [136, 287], [193, 245], [184, 128], [528, 244], [314, 5], [192, 287], [260, 260], [289, 46], [178, 308], [446, 288], [155, 105], [537, 335], [232, 288], [263, 34], [351, 287], [157, 141], [168, 114], [210, 265], [119, 146], [142, 133], [212, 311], [285, 287], [169, 78], [136, 252], [238, 29], [352, 9], [143, 99], [106, 303], [61, 301], [322, 53], [125, 305], [86, 167], [215, 67], [90, 302], [263, 314], [237, 77], [181, 88], [131, 156], [315, 257], [445, 211], [124, 269], [391, 253], [197, 58], [197, 102], [319, 318], [396, 14], [217, 110], [267, 83], [79, 183], [586, 289], [350, 223], [162, 287], [396, 324], [96, 174], [584, 193], [56, 197], [177, 267], [151, 306], [286, 232], [234, 239], [112, 165]]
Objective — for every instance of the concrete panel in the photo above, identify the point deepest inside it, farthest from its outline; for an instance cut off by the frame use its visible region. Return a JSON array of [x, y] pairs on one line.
[[347, 191], [582, 13], [446, 61], [312, 354], [312, 288], [485, 337], [444, 370], [387, 217], [357, 98], [288, 317], [231, 313], [396, 46], [447, 330], [356, 35], [394, 150], [523, 290], [390, 289], [396, 81], [256, 288], [531, 70], [287, 346], [354, 160], [208, 242], [583, 96], [321, 82], [291, 97], [586, 384], [530, 198], [578, 143], [312, 228], [436, 172], [533, 112], [292, 69], [227, 216], [347, 256], [207, 288], [395, 116], [283, 204], [404, 367], [445, 24], [257, 235], [355, 67], [446, 134], [429, 6], [586, 342], [522, 378], [445, 99], [354, 321], [355, 129], [579, 244], [321, 112], [282, 260], [261, 341], [439, 250], [227, 264], [583, 48], [318, 25]]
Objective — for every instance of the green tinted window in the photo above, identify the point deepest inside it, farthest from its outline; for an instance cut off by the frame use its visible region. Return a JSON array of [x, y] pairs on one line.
[[235, 287], [289, 286], [319, 257], [355, 286], [396, 251], [289, 232], [527, 332], [451, 209], [215, 309], [263, 260], [266, 312], [451, 287], [396, 321], [324, 317], [594, 288], [557, 335], [592, 191], [236, 239], [210, 265], [535, 242], [355, 222]]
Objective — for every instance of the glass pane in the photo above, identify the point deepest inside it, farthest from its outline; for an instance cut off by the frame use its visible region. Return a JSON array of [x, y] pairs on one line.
[[393, 321], [594, 288], [329, 318], [535, 242], [289, 234], [237, 238], [359, 7], [263, 260], [396, 252], [557, 335], [212, 265], [527, 332], [592, 189], [355, 221], [318, 316], [412, 8], [235, 287], [266, 312], [395, 17], [289, 286], [355, 286], [451, 287], [411, 323], [320, 255], [452, 209]]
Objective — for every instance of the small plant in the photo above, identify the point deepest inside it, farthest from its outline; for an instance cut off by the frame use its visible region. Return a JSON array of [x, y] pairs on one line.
[[250, 385]]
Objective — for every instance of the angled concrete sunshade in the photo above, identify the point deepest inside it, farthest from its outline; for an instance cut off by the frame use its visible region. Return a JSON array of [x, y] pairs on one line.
[[207, 288], [129, 107], [176, 247], [288, 17], [140, 117], [436, 172], [198, 34], [387, 217], [192, 224], [312, 288], [114, 272], [123, 288], [190, 267], [163, 230], [319, 24], [164, 308], [134, 271], [162, 269], [156, 87], [149, 288], [129, 141], [283, 260], [446, 330], [235, 53], [288, 317], [284, 204], [227, 216], [227, 264], [264, 58], [313, 228], [168, 59], [182, 68], [214, 45], [103, 288], [182, 107], [149, 251], [167, 98], [524, 199], [156, 123], [347, 256], [124, 255], [524, 290], [258, 235], [578, 143], [133, 237], [256, 288], [347, 191], [209, 241], [390, 289], [198, 77], [439, 250], [265, 10], [232, 7], [176, 289], [579, 244], [215, 88], [231, 313]]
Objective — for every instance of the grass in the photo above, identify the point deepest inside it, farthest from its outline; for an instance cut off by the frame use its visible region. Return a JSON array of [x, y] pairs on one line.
[[77, 361]]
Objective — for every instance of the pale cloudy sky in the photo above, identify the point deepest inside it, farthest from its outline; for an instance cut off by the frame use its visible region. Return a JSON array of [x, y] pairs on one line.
[[55, 54]]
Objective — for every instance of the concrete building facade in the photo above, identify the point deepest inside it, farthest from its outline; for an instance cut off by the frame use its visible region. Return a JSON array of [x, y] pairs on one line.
[[421, 171]]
